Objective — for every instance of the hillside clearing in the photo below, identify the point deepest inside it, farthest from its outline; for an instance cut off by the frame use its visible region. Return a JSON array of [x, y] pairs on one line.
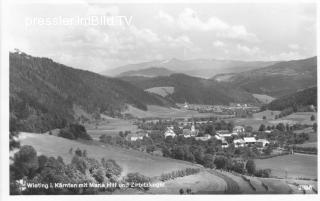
[[162, 91], [263, 98]]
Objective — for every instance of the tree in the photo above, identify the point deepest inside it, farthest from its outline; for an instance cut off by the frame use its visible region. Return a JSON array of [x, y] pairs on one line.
[[280, 127], [25, 162], [136, 178], [208, 161], [150, 148], [312, 118], [264, 117], [262, 127], [251, 166], [181, 191], [314, 127], [220, 162], [112, 168]]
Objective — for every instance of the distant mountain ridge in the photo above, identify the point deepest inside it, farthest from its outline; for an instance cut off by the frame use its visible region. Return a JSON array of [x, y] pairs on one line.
[[204, 68], [148, 72], [43, 94], [276, 80]]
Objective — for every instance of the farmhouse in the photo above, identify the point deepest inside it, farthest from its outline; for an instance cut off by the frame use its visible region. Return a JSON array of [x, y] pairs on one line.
[[249, 140], [262, 142], [136, 136], [169, 132], [238, 129], [239, 143], [204, 138]]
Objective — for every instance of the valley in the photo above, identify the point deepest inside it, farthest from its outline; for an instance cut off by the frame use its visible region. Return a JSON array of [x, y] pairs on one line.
[[190, 134]]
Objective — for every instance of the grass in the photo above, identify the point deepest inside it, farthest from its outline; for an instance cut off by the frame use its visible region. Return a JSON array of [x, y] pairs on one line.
[[155, 111], [111, 126], [162, 91], [296, 166], [298, 117], [129, 160], [263, 98], [201, 183]]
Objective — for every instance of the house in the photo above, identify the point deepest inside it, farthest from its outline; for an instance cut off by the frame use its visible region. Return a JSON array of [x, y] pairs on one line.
[[262, 142], [169, 132], [239, 143], [224, 144], [249, 140], [204, 138], [135, 136], [238, 129]]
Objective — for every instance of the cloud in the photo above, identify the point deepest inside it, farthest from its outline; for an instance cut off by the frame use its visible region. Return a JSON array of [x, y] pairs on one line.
[[218, 43], [189, 20], [248, 50], [294, 46]]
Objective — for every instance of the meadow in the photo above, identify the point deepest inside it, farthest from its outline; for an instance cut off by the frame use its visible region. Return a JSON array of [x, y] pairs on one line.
[[292, 166], [129, 160]]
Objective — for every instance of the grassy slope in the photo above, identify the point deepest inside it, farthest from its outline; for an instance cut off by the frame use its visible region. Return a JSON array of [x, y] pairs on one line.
[[297, 165]]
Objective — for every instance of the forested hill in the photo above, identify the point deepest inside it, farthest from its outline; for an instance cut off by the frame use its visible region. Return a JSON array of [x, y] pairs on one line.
[[194, 89], [43, 93], [301, 98]]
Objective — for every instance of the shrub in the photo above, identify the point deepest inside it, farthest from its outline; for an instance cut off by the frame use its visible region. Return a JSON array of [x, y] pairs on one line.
[[263, 173], [75, 131], [25, 162], [137, 180], [221, 162], [111, 167], [251, 167]]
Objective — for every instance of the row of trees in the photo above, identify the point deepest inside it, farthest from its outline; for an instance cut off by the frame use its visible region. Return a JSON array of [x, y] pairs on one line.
[[241, 167], [179, 173]]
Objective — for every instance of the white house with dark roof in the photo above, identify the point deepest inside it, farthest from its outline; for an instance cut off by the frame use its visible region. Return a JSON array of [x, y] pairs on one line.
[[249, 140], [238, 129], [203, 138], [169, 132]]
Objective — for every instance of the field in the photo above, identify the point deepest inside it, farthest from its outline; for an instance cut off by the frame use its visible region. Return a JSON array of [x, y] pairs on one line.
[[201, 182], [110, 126], [298, 117], [129, 160], [294, 166], [164, 112], [263, 98], [162, 91], [257, 119]]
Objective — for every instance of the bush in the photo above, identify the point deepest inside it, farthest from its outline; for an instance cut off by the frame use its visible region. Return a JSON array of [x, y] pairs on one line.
[[111, 167], [263, 173], [75, 131], [221, 162], [251, 167], [25, 162], [138, 180]]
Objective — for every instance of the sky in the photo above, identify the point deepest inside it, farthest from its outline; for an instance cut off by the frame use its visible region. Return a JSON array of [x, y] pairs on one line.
[[237, 31]]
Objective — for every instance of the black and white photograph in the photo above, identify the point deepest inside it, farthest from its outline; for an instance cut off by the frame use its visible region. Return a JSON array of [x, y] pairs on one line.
[[183, 98]]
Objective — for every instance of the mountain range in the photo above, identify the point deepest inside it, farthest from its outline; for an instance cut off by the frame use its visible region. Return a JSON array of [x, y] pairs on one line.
[[275, 80], [204, 68]]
